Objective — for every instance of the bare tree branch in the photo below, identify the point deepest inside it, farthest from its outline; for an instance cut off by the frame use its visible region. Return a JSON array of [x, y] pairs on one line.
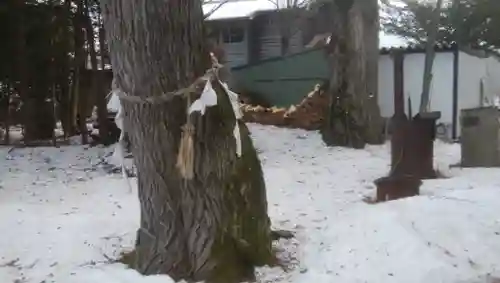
[[275, 3], [214, 9]]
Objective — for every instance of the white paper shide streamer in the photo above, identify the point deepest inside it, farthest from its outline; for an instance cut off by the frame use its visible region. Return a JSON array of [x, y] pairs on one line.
[[233, 98], [119, 152], [209, 98]]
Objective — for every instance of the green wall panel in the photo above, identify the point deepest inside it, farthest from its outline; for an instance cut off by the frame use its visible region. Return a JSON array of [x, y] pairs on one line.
[[283, 81]]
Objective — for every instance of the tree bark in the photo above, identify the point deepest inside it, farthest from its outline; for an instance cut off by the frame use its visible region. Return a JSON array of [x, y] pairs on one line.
[[65, 112], [97, 82], [80, 64], [53, 80], [213, 227], [374, 121], [102, 45], [346, 124], [6, 138], [22, 70]]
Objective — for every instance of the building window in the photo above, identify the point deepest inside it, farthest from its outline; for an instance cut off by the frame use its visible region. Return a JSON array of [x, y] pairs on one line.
[[233, 35]]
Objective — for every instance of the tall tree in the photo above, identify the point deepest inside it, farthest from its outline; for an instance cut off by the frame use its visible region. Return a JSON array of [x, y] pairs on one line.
[[65, 113], [47, 46], [211, 223], [471, 22], [371, 28], [97, 78], [22, 68], [353, 55], [79, 98]]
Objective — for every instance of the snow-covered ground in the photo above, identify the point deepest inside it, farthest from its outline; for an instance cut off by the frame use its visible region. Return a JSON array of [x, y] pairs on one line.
[[62, 217]]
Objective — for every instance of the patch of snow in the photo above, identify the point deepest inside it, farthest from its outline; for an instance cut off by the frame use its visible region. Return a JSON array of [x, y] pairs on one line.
[[75, 140], [391, 40], [62, 216]]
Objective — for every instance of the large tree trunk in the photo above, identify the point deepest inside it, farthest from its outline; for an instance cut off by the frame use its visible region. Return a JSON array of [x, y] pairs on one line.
[[374, 122], [351, 89], [345, 124], [215, 226]]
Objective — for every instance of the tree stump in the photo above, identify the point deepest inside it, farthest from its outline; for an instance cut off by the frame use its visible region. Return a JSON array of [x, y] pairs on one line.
[[422, 142], [412, 146], [412, 154]]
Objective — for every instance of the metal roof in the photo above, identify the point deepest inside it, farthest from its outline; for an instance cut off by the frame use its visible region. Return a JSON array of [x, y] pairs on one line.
[[239, 9], [234, 9]]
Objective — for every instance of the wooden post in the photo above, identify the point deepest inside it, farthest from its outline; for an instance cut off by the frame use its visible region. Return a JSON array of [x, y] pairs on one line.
[[399, 103]]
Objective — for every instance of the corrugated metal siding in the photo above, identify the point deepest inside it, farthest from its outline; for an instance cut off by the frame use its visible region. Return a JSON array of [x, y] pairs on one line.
[[236, 53], [270, 40], [283, 81], [296, 42]]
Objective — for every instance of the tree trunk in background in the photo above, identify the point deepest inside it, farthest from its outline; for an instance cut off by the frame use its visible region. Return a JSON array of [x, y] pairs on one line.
[[374, 122], [102, 46], [79, 65], [6, 138], [22, 72], [97, 82], [65, 113], [33, 89], [346, 124], [53, 97], [53, 74], [215, 226]]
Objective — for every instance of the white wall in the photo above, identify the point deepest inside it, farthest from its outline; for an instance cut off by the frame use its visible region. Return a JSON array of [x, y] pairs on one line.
[[386, 85], [441, 93], [493, 76], [473, 70]]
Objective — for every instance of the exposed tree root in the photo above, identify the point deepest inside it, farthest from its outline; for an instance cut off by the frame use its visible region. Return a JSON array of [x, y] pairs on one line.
[[281, 234]]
